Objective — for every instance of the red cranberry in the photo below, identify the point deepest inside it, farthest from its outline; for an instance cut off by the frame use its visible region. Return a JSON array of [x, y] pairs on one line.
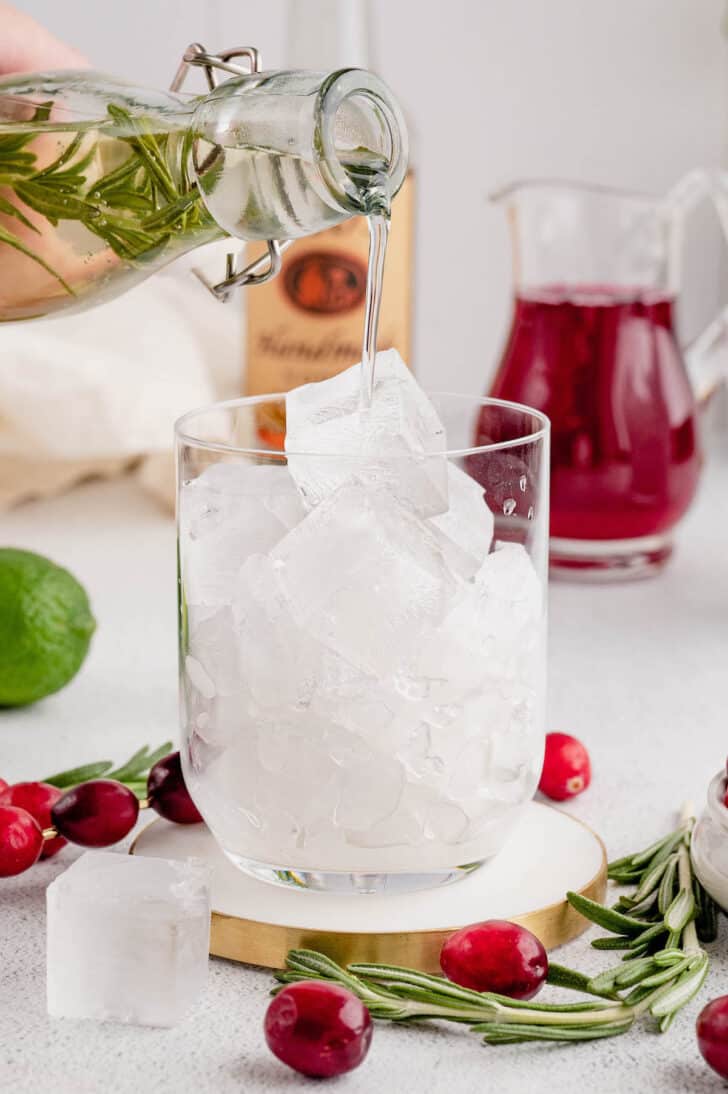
[[3, 785], [496, 956], [566, 767], [712, 1031], [96, 813], [318, 1029], [37, 799], [167, 793], [21, 840]]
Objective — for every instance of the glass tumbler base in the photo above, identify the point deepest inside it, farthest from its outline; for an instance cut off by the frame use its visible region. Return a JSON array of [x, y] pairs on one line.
[[595, 560], [335, 881]]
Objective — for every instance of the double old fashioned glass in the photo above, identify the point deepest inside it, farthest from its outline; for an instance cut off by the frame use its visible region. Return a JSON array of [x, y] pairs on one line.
[[362, 671]]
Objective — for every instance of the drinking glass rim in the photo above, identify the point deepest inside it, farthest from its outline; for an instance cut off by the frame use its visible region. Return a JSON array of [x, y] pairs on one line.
[[184, 437]]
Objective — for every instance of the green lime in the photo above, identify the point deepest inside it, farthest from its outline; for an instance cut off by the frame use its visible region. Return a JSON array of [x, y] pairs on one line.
[[45, 627]]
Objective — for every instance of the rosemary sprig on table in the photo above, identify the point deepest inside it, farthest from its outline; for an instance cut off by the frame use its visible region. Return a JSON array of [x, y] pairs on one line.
[[659, 927], [136, 209], [133, 773]]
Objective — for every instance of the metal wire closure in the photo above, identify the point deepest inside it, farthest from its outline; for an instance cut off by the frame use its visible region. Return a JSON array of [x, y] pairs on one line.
[[196, 55], [267, 266]]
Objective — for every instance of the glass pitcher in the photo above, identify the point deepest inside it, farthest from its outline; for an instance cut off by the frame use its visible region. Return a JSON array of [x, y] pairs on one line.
[[592, 344], [102, 183]]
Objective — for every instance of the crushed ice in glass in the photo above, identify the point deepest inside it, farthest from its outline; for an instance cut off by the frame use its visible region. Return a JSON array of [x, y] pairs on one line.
[[128, 939], [363, 662]]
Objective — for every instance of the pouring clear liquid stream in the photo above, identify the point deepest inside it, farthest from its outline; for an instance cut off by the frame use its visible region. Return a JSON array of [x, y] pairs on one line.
[[379, 219]]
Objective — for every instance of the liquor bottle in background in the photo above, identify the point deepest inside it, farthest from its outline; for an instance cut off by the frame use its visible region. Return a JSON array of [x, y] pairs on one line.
[[306, 324]]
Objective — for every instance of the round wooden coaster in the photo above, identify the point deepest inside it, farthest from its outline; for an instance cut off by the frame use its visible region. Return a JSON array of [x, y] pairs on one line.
[[548, 854]]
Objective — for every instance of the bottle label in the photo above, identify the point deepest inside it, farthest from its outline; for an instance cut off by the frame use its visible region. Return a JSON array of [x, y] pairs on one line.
[[325, 282], [306, 324]]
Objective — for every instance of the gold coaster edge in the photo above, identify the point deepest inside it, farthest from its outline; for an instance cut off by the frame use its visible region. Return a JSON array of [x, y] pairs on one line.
[[255, 942]]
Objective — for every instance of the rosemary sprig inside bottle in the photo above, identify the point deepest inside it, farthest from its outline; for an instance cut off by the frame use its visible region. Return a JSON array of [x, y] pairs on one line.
[[659, 926], [143, 204]]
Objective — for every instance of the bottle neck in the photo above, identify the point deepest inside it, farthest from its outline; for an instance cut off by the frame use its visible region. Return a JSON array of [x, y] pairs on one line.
[[278, 155], [328, 34]]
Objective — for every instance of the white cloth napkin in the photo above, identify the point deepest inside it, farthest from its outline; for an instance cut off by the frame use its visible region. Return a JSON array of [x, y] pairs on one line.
[[92, 393]]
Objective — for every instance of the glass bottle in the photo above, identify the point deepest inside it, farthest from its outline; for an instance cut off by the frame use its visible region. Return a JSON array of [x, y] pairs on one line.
[[102, 183]]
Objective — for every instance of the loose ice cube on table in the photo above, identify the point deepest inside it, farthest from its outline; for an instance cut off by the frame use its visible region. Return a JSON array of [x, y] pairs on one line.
[[397, 442], [362, 575], [128, 939], [227, 513]]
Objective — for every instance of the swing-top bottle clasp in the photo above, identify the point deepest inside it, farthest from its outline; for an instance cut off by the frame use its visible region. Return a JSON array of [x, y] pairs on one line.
[[265, 267]]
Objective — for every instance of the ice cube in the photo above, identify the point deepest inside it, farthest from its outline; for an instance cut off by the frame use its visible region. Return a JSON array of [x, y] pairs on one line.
[[280, 663], [467, 774], [514, 601], [228, 512], [300, 772], [399, 441], [445, 820], [402, 829], [362, 575], [422, 815], [199, 678], [211, 497], [128, 939], [466, 527], [213, 645], [370, 781], [490, 633], [282, 779], [355, 701]]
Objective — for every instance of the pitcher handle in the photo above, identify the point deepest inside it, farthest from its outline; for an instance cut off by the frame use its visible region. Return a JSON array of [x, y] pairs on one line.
[[706, 359], [706, 356]]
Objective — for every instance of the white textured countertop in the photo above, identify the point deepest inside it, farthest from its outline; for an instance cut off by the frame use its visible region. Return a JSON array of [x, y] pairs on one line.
[[639, 672]]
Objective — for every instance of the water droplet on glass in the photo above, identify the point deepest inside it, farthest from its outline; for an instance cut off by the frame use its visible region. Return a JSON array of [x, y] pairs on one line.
[[523, 483], [530, 512], [509, 507]]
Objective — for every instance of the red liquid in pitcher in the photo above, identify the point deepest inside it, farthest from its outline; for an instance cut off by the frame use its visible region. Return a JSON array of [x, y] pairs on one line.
[[604, 365]]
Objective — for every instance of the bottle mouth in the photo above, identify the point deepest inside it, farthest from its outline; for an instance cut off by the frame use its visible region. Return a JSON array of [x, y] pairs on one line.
[[360, 138]]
